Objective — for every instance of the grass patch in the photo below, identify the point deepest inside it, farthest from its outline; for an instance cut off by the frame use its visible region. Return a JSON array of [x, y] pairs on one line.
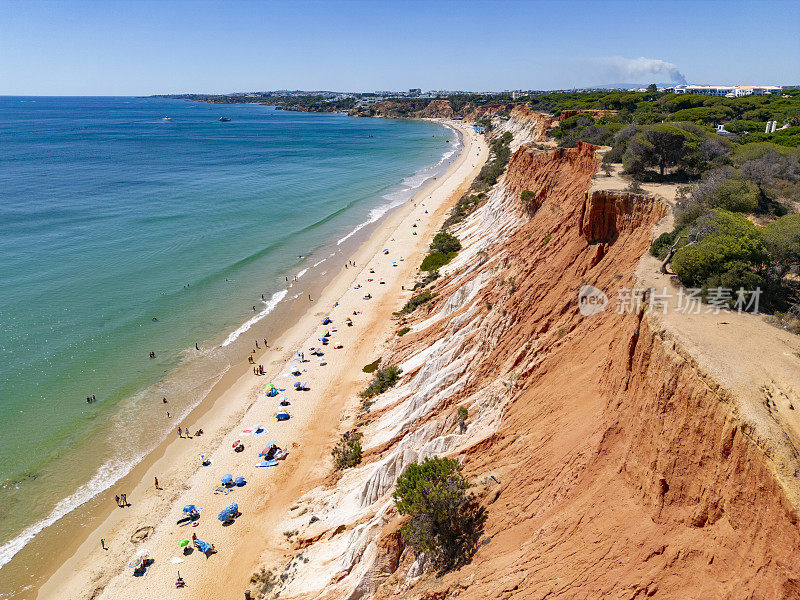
[[371, 367], [403, 331], [436, 260]]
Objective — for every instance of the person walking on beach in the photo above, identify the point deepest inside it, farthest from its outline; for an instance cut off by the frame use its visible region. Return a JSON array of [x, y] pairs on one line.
[[156, 478], [125, 500], [117, 499], [164, 400], [180, 432], [103, 544]]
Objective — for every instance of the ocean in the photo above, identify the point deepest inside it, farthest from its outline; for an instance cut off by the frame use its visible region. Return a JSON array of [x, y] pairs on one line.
[[134, 225]]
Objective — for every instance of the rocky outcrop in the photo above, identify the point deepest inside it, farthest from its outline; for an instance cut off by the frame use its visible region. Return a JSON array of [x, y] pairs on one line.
[[609, 463]]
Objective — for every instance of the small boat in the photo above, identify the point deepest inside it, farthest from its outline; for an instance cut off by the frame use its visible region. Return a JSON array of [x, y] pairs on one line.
[[224, 119], [165, 118]]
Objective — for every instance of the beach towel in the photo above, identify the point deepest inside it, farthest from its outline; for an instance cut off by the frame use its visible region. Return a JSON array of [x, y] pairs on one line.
[[268, 463]]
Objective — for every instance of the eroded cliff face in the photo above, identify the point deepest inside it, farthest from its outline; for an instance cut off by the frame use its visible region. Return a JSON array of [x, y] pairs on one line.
[[609, 464]]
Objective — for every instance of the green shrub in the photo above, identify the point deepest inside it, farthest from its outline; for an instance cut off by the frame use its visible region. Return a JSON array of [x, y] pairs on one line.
[[735, 195], [445, 243], [463, 413], [501, 153], [782, 239], [382, 380], [347, 452], [436, 260], [443, 522], [731, 247], [415, 301], [430, 276], [403, 331], [663, 243]]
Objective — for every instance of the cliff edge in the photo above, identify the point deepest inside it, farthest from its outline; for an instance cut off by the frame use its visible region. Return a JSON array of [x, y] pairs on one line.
[[611, 460]]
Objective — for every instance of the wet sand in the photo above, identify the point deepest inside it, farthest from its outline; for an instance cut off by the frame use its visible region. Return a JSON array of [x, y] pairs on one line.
[[238, 401]]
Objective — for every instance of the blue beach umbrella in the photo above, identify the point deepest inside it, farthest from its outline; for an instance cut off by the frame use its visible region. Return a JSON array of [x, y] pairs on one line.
[[239, 481], [189, 508], [227, 478], [229, 512]]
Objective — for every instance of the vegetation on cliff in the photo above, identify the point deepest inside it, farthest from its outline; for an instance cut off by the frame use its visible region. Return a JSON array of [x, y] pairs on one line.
[[347, 452], [383, 379], [732, 230], [443, 522]]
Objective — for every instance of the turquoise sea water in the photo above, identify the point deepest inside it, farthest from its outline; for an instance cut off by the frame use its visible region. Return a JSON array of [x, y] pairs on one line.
[[117, 210]]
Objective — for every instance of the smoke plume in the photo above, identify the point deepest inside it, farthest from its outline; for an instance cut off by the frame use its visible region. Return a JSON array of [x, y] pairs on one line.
[[634, 70]]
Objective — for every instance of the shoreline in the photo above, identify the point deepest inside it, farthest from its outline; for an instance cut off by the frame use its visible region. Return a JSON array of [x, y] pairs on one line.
[[26, 565], [165, 461]]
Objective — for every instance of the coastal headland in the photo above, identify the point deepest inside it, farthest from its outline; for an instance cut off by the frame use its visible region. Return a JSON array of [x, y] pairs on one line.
[[619, 452]]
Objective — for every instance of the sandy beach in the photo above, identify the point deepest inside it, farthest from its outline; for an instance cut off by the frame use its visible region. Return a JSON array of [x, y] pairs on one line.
[[238, 404]]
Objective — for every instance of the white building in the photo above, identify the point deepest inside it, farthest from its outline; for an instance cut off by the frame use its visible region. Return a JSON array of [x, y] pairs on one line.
[[731, 91]]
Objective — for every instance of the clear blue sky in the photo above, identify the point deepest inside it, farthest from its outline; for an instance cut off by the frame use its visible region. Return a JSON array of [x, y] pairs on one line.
[[141, 47]]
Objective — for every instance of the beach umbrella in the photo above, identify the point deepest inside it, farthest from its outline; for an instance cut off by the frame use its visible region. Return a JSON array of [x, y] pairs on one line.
[[239, 481], [189, 508], [282, 416], [266, 449], [258, 429], [298, 385], [227, 478], [236, 443], [228, 512], [183, 543]]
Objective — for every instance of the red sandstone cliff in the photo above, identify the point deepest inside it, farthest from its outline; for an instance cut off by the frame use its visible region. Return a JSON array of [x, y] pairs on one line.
[[610, 465]]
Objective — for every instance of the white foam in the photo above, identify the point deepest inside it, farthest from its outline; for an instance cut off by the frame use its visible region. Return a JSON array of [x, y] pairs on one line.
[[107, 475], [318, 263], [301, 273], [412, 183], [374, 214], [269, 306]]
